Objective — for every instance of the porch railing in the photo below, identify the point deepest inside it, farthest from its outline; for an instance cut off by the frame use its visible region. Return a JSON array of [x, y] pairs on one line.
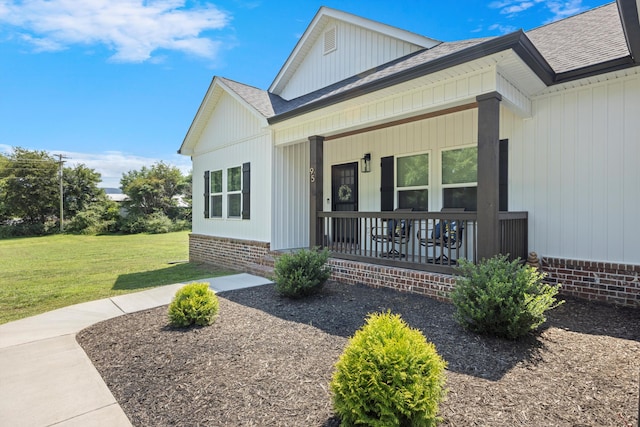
[[431, 241]]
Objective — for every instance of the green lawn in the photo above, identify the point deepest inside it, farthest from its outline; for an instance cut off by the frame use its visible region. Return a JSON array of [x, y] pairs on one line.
[[39, 274]]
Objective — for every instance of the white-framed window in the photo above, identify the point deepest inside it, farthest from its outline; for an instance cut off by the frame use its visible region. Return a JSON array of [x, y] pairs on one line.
[[230, 190], [460, 178], [234, 192], [412, 182], [216, 194]]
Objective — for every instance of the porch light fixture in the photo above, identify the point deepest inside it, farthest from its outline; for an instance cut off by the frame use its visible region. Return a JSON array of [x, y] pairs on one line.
[[365, 163]]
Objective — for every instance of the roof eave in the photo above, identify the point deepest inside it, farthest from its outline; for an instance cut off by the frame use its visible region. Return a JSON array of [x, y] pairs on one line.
[[630, 17], [518, 41], [596, 69], [182, 150]]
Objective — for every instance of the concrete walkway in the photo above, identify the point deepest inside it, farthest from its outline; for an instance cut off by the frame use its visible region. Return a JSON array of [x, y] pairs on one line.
[[47, 379]]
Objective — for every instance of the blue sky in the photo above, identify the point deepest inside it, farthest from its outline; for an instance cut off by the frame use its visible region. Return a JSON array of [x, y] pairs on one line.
[[115, 84]]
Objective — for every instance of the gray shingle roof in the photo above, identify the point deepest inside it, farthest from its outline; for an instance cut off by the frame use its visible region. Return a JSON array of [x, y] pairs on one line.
[[590, 38], [270, 105], [581, 40]]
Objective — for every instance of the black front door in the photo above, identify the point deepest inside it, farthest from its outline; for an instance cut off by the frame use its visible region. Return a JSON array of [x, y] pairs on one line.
[[344, 196]]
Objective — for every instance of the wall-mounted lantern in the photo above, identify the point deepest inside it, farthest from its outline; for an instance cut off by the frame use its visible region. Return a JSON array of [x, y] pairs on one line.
[[365, 163]]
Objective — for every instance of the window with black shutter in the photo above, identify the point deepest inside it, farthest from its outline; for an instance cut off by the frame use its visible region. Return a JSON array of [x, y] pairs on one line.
[[386, 184], [246, 191], [206, 194]]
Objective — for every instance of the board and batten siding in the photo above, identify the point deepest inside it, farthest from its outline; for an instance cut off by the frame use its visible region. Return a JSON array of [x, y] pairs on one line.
[[290, 197], [398, 104], [230, 123], [424, 136], [357, 50], [258, 152], [234, 136], [575, 167]]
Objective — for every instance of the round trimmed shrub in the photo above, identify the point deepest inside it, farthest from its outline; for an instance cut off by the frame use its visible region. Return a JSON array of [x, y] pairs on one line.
[[301, 273], [195, 304], [388, 375], [501, 298]]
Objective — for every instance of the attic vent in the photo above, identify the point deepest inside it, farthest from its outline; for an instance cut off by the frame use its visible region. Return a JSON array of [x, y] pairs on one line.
[[330, 40]]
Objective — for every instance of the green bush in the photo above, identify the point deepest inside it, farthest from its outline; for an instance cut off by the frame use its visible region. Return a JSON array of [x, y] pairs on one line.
[[301, 273], [388, 375], [155, 223], [19, 229], [88, 221], [502, 298], [194, 303]]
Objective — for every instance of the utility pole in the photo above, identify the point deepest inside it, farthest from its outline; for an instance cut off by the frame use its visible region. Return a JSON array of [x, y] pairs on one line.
[[61, 162]]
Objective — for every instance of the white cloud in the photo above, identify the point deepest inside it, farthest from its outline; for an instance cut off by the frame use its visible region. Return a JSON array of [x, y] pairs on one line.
[[563, 9], [134, 29], [516, 8], [112, 164], [558, 9], [502, 29]]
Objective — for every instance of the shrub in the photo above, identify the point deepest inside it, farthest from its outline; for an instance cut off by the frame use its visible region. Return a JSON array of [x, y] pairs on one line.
[[388, 375], [194, 303], [88, 221], [502, 298], [155, 223], [23, 229], [302, 273]]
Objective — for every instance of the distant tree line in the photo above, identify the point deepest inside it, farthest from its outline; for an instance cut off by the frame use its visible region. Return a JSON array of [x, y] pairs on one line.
[[30, 198]]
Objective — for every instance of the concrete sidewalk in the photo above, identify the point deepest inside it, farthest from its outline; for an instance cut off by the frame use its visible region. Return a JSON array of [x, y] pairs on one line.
[[47, 379]]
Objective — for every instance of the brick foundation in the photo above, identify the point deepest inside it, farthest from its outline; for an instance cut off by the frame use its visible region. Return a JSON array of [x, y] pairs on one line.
[[434, 285], [608, 282], [247, 255], [231, 253], [599, 281]]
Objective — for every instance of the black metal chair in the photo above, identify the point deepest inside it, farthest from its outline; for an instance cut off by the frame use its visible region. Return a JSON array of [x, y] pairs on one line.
[[392, 234], [446, 236]]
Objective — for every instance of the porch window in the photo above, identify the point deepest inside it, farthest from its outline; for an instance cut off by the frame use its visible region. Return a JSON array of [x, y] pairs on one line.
[[460, 178], [412, 182], [216, 194], [234, 192]]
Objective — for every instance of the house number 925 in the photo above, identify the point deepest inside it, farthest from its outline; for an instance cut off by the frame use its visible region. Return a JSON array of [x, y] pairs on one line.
[[312, 173]]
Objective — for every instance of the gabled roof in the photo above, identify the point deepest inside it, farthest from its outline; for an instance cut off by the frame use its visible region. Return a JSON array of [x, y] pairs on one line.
[[315, 28], [255, 100], [600, 40]]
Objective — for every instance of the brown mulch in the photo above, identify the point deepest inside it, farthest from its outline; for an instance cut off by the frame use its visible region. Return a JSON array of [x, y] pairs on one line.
[[267, 361]]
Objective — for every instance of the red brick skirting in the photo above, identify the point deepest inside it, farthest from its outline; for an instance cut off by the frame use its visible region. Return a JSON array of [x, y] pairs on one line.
[[434, 285], [608, 282], [600, 281], [230, 253]]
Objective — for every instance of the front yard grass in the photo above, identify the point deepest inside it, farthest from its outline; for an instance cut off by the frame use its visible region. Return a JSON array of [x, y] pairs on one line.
[[39, 274]]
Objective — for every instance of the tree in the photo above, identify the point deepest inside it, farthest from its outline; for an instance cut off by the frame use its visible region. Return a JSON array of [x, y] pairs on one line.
[[80, 189], [152, 189], [29, 186]]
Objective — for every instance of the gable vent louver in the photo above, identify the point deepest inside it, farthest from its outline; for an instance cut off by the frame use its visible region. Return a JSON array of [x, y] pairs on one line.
[[330, 40]]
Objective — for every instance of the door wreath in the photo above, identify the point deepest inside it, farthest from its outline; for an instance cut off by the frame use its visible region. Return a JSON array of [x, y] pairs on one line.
[[344, 193]]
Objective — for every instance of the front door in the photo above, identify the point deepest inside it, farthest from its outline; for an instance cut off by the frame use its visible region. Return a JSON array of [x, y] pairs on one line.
[[344, 196]]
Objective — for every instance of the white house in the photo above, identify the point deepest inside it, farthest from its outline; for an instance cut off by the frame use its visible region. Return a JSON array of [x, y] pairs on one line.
[[519, 143]]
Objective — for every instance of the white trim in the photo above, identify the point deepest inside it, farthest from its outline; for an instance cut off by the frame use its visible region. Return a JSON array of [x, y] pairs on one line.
[[397, 189], [205, 111], [313, 32]]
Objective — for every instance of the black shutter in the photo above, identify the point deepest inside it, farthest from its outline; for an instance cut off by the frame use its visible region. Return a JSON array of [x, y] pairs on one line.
[[246, 191], [386, 184], [207, 199], [503, 192]]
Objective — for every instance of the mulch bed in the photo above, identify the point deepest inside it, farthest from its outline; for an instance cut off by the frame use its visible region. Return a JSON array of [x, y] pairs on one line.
[[267, 361]]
